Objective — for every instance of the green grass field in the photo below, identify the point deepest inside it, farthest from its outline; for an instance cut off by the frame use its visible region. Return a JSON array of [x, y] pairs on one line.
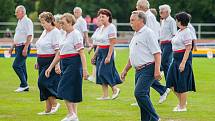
[[25, 106]]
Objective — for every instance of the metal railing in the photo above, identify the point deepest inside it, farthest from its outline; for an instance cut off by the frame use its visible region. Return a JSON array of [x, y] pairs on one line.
[[197, 26]]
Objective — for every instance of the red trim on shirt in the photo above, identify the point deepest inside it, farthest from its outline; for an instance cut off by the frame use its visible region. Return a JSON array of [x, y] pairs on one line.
[[165, 41], [104, 46], [69, 55], [180, 51]]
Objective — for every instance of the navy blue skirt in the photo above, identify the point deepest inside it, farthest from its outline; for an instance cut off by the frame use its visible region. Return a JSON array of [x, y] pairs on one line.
[[70, 86], [181, 81], [106, 73], [47, 86]]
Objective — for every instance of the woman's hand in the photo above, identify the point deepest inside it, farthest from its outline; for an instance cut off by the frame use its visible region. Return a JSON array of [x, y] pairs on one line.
[[57, 69], [36, 66], [48, 71], [107, 60], [85, 74], [182, 66]]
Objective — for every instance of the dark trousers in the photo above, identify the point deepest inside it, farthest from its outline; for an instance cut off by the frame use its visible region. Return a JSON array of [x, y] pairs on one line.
[[144, 79], [19, 65], [156, 85], [166, 57]]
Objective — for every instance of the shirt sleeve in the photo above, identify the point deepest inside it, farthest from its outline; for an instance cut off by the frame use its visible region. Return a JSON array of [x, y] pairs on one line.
[[29, 27], [152, 43], [187, 38], [78, 41], [56, 39], [173, 27], [83, 26], [112, 32]]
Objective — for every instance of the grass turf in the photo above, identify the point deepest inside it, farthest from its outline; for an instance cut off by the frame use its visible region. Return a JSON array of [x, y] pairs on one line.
[[25, 106]]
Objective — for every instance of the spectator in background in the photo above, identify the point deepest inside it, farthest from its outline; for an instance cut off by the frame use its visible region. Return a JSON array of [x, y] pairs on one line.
[[154, 11], [88, 20], [94, 23], [8, 33]]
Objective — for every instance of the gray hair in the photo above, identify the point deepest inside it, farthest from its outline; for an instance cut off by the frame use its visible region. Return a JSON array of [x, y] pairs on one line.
[[77, 8], [141, 15], [21, 7], [57, 17], [144, 3], [165, 7]]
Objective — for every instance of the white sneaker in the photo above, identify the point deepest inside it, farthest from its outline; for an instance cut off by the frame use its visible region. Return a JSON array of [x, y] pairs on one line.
[[21, 89], [134, 104], [163, 97], [74, 117], [91, 79], [45, 113], [178, 109], [103, 98], [55, 109], [114, 96]]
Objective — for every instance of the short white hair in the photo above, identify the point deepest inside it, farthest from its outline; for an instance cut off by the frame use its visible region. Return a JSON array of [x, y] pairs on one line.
[[57, 17], [144, 3], [21, 7], [165, 7], [77, 8]]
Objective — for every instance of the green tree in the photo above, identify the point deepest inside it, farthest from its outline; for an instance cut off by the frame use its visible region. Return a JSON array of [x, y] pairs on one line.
[[7, 9]]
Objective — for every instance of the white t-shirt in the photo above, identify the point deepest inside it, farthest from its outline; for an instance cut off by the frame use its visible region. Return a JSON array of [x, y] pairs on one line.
[[24, 28], [71, 43], [181, 39], [48, 42], [168, 29], [106, 34], [152, 23], [81, 25], [95, 35], [142, 47]]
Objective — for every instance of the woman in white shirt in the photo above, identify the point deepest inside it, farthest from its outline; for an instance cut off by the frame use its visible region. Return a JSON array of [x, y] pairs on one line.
[[94, 38], [47, 47], [73, 64], [180, 75], [107, 74]]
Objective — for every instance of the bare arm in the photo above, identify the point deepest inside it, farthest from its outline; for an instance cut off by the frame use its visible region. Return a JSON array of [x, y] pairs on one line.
[[125, 70], [84, 63], [28, 42], [186, 55], [110, 52], [157, 57], [53, 64], [86, 38]]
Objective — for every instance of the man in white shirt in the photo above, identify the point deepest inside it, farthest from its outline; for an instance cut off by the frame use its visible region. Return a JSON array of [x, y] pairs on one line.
[[153, 24], [81, 25], [145, 57], [168, 31], [22, 39]]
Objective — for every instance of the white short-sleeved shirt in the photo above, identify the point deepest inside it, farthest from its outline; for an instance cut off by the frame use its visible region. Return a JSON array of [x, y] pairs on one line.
[[142, 47], [106, 34], [95, 35], [71, 43], [81, 25], [181, 39], [152, 23], [24, 28], [192, 30], [168, 29], [48, 42]]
